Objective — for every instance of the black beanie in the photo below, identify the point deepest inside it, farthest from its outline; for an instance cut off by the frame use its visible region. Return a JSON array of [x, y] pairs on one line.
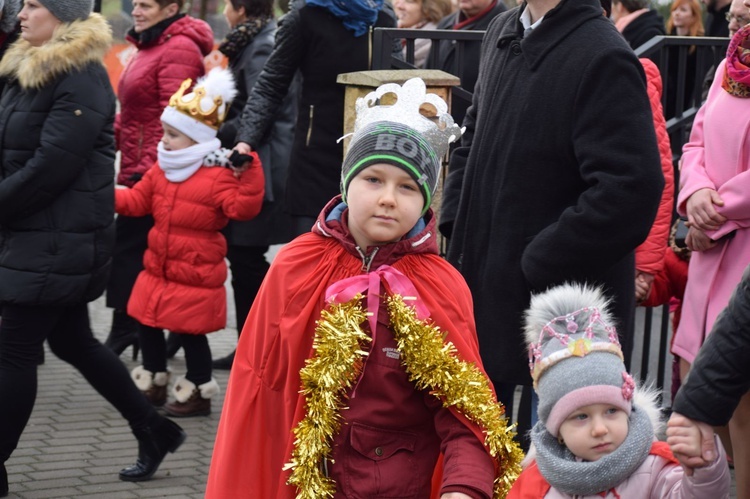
[[395, 144]]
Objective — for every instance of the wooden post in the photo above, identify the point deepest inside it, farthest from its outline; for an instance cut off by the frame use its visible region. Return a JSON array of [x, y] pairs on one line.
[[361, 83]]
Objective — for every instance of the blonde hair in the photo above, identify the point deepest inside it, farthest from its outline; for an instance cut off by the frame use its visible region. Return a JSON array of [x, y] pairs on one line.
[[434, 10], [695, 7]]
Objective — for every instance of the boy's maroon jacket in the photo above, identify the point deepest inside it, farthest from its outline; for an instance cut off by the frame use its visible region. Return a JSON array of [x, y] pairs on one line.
[[263, 402]]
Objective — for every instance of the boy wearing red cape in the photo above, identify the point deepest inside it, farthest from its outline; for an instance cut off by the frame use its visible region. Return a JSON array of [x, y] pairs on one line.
[[358, 372]]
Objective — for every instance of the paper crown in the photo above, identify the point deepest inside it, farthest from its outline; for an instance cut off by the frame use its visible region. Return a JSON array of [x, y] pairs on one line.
[[439, 131], [200, 113]]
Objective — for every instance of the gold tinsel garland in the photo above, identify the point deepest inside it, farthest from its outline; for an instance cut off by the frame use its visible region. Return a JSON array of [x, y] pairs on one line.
[[431, 364]]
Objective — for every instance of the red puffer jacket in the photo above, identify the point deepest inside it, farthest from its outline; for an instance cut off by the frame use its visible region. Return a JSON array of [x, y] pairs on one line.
[[649, 256], [150, 78], [182, 285]]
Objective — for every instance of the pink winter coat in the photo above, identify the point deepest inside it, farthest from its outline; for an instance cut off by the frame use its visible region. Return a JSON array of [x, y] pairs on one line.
[[150, 78], [655, 478], [717, 156], [182, 285]]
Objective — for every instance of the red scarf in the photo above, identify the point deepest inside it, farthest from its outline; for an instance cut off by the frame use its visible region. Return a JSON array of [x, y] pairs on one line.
[[737, 75], [462, 24]]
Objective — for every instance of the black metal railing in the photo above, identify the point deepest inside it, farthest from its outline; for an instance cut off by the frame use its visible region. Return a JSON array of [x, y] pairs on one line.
[[683, 93]]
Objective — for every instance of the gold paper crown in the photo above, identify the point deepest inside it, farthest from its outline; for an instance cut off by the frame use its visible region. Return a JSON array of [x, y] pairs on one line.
[[439, 130], [191, 105]]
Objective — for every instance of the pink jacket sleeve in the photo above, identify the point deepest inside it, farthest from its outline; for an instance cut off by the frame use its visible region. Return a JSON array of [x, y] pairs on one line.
[[670, 481]]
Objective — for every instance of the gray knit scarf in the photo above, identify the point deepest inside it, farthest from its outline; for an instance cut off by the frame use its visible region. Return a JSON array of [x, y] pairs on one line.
[[563, 472]]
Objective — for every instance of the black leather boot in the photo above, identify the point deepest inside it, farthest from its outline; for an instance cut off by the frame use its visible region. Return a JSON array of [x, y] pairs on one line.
[[153, 446], [123, 334]]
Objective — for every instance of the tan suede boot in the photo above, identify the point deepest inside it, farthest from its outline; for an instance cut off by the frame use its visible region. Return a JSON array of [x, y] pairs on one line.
[[191, 400], [153, 385]]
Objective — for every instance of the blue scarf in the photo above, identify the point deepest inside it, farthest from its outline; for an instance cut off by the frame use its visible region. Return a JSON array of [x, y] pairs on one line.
[[357, 15]]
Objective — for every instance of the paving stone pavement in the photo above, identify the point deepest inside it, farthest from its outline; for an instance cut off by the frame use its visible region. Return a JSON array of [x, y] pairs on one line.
[[75, 442]]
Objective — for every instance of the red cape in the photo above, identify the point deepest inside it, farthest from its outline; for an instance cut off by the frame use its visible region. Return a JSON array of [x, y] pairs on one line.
[[263, 403]]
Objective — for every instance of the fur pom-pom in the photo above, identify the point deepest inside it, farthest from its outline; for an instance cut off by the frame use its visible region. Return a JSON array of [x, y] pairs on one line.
[[560, 301], [219, 82]]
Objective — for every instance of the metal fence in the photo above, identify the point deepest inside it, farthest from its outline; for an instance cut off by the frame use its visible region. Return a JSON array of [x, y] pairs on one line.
[[695, 58]]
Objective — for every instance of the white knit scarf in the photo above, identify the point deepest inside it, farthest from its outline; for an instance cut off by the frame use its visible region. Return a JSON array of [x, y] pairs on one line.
[[180, 165]]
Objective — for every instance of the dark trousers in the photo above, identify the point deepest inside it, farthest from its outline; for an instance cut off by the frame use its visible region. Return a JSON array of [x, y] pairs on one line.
[[67, 330], [197, 353], [249, 267], [131, 235]]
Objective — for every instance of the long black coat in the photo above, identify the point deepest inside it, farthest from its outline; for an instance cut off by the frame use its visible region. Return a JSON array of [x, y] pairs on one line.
[[309, 39], [272, 225], [558, 177], [446, 54], [57, 168]]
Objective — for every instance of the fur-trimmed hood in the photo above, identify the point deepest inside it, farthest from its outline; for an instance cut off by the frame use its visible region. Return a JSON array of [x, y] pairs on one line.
[[72, 46]]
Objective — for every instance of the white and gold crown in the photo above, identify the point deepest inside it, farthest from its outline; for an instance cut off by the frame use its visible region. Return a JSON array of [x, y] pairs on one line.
[[200, 113], [439, 130]]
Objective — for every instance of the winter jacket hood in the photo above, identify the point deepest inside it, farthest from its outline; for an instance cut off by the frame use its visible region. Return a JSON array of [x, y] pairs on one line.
[[73, 46], [195, 29], [332, 222]]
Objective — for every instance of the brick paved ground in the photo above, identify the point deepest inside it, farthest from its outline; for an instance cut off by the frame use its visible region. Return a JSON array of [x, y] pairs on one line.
[[76, 443]]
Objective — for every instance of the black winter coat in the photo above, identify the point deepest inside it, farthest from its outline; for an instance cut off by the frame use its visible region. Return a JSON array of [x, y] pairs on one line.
[[643, 28], [446, 56], [57, 168], [558, 176], [272, 225], [720, 375], [310, 39]]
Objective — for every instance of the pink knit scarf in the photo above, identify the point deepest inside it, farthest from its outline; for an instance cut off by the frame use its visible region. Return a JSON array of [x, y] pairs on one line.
[[737, 76]]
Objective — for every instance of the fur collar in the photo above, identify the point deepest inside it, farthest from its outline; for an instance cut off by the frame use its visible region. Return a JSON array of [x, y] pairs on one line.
[[72, 46]]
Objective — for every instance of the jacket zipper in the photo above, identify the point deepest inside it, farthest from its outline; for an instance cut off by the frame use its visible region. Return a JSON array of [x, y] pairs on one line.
[[369, 49], [310, 126], [366, 261]]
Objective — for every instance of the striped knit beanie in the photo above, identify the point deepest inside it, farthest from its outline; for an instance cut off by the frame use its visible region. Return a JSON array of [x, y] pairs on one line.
[[395, 144]]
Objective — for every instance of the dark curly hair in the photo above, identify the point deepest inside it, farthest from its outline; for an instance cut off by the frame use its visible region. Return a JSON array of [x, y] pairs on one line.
[[254, 8]]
